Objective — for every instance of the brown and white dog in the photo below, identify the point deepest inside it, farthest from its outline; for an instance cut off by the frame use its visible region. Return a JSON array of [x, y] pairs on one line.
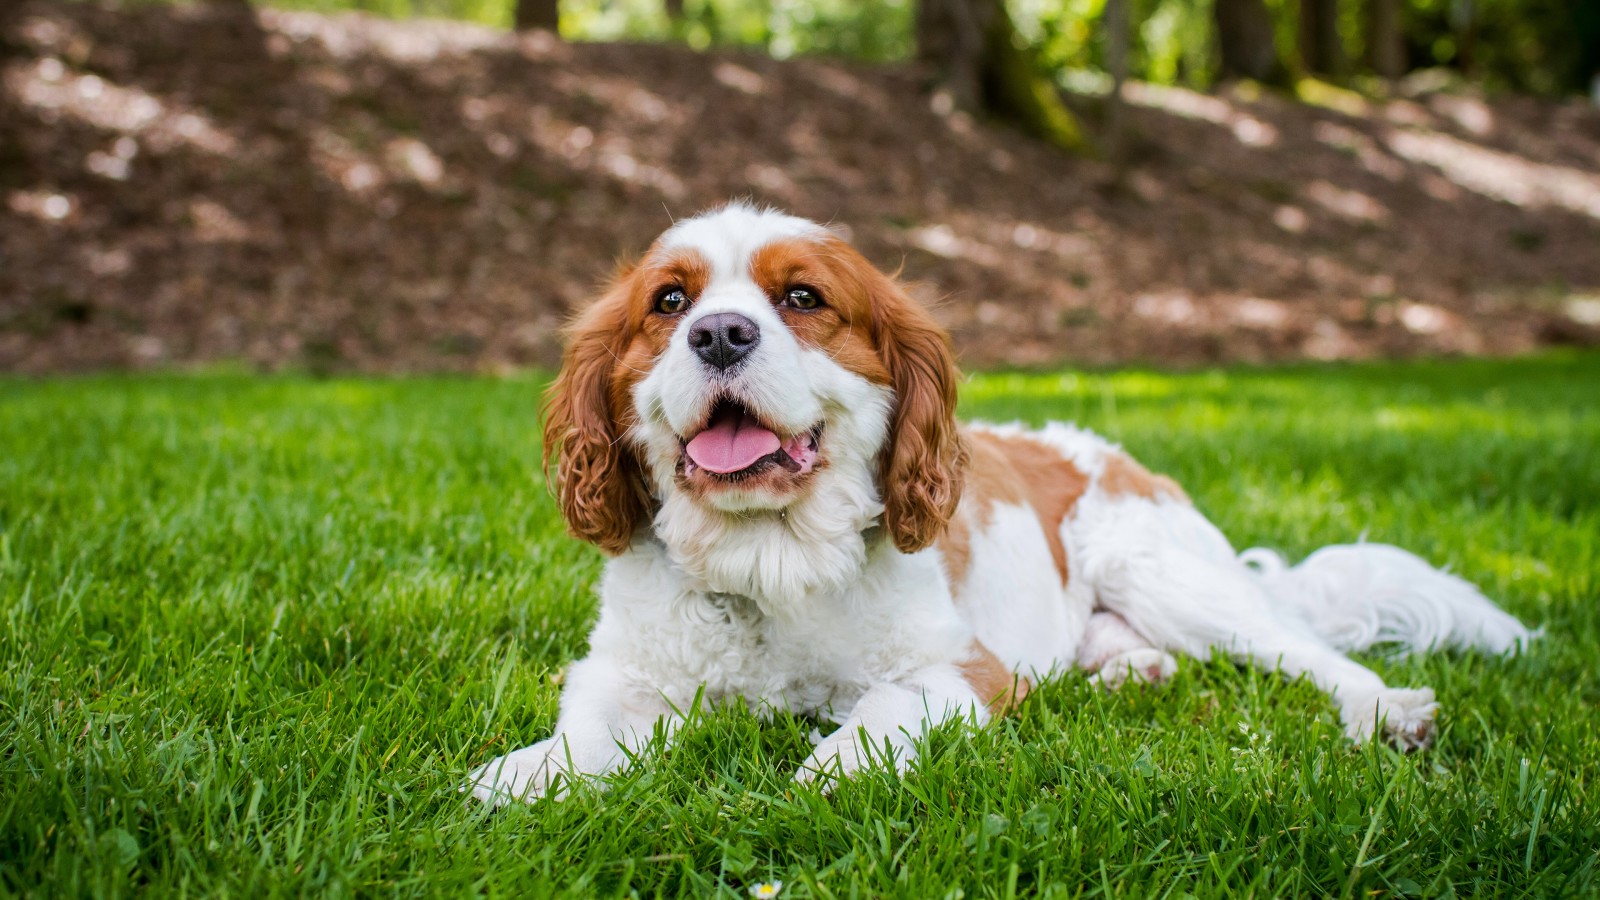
[[759, 427]]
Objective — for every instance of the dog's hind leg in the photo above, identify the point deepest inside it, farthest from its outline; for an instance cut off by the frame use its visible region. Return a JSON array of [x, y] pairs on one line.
[[1183, 591], [1115, 654]]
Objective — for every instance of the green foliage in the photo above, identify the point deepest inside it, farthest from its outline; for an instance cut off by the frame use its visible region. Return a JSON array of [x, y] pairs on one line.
[[1025, 95], [876, 30], [495, 13], [1171, 42], [1543, 46], [253, 632]]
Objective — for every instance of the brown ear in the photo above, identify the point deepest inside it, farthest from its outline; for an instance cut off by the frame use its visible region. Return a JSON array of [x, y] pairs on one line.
[[599, 483], [924, 460]]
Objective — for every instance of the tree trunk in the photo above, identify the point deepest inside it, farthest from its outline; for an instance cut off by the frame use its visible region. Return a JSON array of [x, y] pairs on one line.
[[950, 42], [1116, 26], [674, 9], [974, 51], [1386, 46], [543, 15], [1320, 48], [1245, 39], [1464, 15]]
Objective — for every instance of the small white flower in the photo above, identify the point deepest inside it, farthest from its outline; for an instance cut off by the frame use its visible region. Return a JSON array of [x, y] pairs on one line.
[[766, 890]]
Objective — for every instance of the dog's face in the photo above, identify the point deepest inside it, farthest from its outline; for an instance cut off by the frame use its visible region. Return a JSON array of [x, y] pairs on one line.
[[749, 366]]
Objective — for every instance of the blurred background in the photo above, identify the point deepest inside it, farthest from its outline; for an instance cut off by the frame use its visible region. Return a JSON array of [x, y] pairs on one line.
[[401, 185]]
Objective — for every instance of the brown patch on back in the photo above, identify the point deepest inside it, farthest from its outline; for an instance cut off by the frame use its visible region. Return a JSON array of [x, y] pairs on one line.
[[990, 479], [955, 548], [1122, 477], [1022, 469], [997, 686]]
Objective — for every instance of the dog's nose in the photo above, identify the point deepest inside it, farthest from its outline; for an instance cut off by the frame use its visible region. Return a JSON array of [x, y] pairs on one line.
[[722, 339]]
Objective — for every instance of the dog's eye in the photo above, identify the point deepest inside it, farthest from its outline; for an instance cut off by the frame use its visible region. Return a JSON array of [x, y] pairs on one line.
[[672, 301], [802, 298]]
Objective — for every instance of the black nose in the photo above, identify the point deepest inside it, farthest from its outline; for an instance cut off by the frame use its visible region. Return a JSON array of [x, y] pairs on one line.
[[722, 339]]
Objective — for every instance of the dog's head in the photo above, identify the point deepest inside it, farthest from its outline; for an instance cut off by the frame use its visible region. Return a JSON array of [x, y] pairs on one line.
[[754, 368]]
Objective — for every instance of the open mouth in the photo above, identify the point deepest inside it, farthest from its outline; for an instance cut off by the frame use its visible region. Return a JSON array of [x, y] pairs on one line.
[[734, 445]]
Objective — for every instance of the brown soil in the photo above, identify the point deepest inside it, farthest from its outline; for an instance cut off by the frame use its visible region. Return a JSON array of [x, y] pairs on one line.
[[183, 184]]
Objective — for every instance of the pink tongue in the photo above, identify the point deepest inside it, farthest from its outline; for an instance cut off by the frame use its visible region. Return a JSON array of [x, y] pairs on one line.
[[733, 441]]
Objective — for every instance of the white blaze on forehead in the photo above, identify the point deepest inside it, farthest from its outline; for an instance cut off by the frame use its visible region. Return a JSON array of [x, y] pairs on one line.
[[728, 236]]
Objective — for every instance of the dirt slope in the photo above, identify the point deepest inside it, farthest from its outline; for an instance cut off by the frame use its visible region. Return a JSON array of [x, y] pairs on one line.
[[349, 192]]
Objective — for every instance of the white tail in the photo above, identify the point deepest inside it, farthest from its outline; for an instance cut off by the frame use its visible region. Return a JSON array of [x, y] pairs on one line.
[[1358, 595]]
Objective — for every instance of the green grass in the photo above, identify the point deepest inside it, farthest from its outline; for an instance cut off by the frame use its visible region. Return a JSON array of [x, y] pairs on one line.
[[253, 632]]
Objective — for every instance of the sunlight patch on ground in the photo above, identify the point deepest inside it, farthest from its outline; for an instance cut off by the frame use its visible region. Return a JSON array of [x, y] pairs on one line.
[[1032, 236], [739, 78], [941, 240], [1470, 113], [1501, 176], [1255, 312], [1364, 148], [1421, 318], [1330, 96], [1249, 130], [1584, 309], [1347, 204], [1173, 308], [44, 205], [1292, 219], [55, 91], [418, 41]]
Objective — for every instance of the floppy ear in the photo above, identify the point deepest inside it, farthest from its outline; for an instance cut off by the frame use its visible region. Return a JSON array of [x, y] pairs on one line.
[[599, 483], [925, 458]]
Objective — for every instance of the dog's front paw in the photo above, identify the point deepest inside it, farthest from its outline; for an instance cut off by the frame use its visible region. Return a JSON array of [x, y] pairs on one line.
[[1145, 665], [836, 756], [526, 774], [1403, 716], [842, 754]]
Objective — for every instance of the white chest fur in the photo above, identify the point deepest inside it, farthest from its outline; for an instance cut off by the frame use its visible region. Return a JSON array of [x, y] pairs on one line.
[[817, 653]]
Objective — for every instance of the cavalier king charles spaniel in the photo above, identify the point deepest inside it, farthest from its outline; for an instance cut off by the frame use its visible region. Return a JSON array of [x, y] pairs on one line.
[[758, 427]]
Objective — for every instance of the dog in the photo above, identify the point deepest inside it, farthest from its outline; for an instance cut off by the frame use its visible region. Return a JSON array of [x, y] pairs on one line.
[[758, 427]]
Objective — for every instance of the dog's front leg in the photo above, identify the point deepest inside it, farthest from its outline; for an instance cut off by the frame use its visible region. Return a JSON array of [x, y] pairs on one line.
[[888, 719], [605, 717]]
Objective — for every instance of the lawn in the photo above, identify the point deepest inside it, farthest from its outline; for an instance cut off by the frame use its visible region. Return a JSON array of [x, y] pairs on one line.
[[254, 631]]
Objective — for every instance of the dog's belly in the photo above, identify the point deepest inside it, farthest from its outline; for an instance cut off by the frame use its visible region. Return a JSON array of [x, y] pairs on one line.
[[1013, 596]]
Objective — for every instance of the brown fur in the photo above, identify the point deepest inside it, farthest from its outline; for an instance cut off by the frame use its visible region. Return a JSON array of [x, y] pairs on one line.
[[955, 548], [926, 458], [870, 326], [841, 327], [997, 686], [867, 324], [599, 481], [990, 480], [1122, 477], [1014, 469]]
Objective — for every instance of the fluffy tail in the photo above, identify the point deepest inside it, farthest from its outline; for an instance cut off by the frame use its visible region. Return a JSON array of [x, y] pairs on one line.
[[1358, 595]]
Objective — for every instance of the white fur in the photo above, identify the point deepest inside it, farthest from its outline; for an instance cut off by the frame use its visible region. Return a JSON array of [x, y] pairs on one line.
[[802, 603], [1013, 596], [1175, 581], [1357, 596]]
